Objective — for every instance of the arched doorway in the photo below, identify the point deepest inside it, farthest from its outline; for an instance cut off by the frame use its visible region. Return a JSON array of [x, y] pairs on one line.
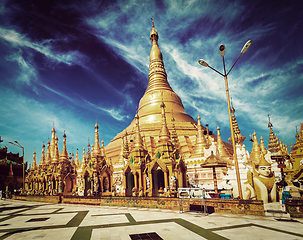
[[130, 183], [68, 185], [158, 178], [106, 184], [87, 183]]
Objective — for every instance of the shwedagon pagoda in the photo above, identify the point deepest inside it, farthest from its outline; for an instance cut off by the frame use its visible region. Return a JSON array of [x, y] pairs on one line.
[[164, 149]]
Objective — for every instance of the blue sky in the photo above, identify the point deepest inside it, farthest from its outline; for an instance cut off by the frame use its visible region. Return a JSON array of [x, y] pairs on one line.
[[72, 62]]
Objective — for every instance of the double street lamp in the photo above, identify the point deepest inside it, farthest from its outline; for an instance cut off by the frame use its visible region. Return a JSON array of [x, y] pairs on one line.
[[205, 64], [19, 145]]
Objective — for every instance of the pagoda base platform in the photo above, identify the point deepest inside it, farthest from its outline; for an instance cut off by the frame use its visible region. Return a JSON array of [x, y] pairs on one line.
[[234, 206], [251, 207], [47, 199]]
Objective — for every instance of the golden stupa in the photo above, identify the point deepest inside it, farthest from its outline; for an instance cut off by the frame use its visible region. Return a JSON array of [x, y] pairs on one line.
[[180, 124]]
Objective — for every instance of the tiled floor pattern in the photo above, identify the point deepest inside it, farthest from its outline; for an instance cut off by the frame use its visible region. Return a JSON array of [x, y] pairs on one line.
[[20, 220]]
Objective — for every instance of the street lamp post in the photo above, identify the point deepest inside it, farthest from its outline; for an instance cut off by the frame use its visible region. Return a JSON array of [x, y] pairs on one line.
[[23, 170], [205, 64]]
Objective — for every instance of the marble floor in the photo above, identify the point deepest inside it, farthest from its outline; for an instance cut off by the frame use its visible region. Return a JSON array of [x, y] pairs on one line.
[[33, 220]]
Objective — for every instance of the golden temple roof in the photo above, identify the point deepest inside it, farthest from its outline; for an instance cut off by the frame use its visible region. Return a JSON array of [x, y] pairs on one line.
[[213, 161]]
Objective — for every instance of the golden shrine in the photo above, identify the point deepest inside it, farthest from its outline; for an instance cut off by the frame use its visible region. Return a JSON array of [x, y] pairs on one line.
[[59, 174]]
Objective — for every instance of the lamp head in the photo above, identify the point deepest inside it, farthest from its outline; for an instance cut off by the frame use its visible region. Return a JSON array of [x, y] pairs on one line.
[[16, 141], [222, 50], [203, 63], [246, 46]]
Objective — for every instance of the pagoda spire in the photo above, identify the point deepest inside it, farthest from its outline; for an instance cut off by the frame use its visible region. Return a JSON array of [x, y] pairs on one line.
[[64, 155], [102, 149], [53, 142], [83, 161], [158, 89], [97, 149], [222, 150], [42, 161], [34, 161], [88, 154], [256, 150], [56, 151], [77, 159], [239, 138], [201, 141], [164, 133], [263, 148], [48, 153], [273, 143], [157, 75]]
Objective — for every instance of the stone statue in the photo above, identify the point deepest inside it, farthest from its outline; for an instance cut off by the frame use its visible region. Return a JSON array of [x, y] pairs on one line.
[[147, 182], [80, 186], [261, 183], [167, 193], [141, 192], [60, 186], [96, 183], [105, 184], [134, 192], [173, 183]]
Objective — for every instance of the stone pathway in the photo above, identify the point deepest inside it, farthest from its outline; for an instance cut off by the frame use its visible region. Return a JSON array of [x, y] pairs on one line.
[[33, 220]]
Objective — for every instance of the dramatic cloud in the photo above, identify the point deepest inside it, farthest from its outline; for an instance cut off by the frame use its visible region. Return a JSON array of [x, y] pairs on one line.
[[72, 63]]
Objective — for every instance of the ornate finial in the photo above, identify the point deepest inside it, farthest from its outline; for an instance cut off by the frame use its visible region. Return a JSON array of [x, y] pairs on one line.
[[232, 107], [269, 123], [154, 34], [96, 125], [64, 135], [297, 135]]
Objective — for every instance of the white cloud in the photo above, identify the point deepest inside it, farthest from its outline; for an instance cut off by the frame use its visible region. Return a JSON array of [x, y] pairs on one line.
[[18, 40], [114, 112], [27, 72]]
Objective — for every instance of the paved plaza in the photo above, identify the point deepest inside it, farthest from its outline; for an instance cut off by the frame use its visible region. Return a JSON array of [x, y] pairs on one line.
[[33, 220]]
